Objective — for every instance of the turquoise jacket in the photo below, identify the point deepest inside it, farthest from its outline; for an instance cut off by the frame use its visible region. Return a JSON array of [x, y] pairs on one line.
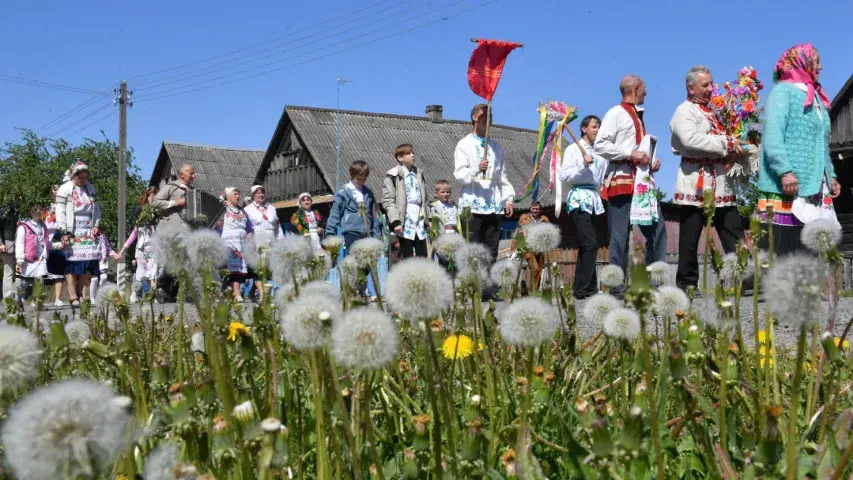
[[795, 139]]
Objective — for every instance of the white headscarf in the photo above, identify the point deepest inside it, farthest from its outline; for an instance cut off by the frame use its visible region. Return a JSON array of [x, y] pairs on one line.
[[226, 193]]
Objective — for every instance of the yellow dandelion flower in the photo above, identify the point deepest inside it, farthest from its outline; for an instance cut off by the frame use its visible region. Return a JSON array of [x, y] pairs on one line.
[[460, 346], [844, 344], [481, 346], [237, 329], [762, 336]]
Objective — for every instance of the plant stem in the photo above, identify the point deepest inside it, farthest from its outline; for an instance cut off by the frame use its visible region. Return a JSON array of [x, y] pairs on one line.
[[793, 444], [368, 425], [319, 417], [525, 401], [653, 404], [724, 369]]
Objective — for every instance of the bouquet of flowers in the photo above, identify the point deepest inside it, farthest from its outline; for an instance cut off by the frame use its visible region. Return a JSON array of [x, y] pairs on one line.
[[737, 106]]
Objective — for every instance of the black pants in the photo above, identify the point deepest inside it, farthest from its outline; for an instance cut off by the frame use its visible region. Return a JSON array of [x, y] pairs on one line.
[[486, 229], [729, 225], [586, 282], [412, 248], [786, 240]]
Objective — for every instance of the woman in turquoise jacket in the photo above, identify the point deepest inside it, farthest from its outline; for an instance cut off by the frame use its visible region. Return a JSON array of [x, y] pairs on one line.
[[796, 175]]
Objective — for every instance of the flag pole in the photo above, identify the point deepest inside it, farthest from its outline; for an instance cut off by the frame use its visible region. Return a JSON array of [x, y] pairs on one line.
[[486, 144]]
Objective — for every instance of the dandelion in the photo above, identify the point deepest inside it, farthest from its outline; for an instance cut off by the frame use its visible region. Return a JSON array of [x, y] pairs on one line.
[[78, 332], [244, 411], [288, 254], [612, 276], [542, 237], [820, 235], [19, 357], [237, 329], [365, 338], [161, 462], [418, 288], [303, 322], [171, 249], [528, 322], [838, 342], [622, 323], [349, 272], [68, 429], [206, 250], [473, 254], [792, 289], [504, 273], [333, 244], [367, 251], [320, 288], [709, 313], [108, 293], [765, 354], [252, 252], [457, 346], [669, 299], [598, 306], [197, 342], [660, 273]]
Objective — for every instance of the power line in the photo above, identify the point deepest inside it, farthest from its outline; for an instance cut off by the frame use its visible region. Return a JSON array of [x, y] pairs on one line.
[[75, 132], [77, 122], [60, 119], [186, 76], [242, 49], [188, 89], [38, 83]]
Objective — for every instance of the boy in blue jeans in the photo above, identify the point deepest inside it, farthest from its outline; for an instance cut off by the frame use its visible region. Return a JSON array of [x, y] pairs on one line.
[[354, 211]]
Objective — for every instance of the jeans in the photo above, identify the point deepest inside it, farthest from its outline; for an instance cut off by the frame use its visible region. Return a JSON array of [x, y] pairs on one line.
[[486, 229], [9, 286], [349, 239], [729, 227], [586, 282], [619, 225]]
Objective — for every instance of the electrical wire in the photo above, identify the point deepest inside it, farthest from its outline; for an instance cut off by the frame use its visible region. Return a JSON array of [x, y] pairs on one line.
[[249, 47], [38, 83], [60, 119], [186, 76], [78, 122], [75, 132], [189, 89]]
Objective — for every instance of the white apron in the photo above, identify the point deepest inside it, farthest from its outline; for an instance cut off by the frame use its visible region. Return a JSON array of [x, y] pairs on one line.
[[234, 232], [84, 246], [146, 259]]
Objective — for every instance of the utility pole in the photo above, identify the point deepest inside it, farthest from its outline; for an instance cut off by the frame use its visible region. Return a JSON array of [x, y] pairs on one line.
[[341, 83], [122, 178]]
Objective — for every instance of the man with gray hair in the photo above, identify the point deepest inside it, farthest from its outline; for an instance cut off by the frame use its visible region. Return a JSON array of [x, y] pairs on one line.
[[706, 153], [170, 203]]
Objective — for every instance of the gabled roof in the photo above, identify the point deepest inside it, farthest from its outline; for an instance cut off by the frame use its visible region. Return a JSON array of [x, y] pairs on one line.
[[216, 167], [841, 116], [374, 136]]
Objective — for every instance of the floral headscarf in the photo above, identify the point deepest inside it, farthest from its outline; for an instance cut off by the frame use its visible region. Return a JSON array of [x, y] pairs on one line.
[[799, 65]]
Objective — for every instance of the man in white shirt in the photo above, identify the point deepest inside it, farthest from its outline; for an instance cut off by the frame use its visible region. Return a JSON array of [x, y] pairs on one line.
[[485, 187], [706, 153], [618, 141], [583, 172]]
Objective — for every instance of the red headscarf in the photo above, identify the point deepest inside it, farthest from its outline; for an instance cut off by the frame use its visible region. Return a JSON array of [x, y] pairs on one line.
[[799, 65]]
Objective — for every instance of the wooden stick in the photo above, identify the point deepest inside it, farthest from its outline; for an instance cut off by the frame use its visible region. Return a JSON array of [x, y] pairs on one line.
[[486, 145], [583, 151]]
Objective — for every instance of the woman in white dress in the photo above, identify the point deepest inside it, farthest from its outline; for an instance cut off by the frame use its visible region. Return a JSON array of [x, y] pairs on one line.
[[266, 227], [77, 217], [236, 227], [142, 234]]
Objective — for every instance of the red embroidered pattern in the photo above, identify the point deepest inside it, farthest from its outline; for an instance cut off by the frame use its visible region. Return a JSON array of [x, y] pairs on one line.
[[689, 197]]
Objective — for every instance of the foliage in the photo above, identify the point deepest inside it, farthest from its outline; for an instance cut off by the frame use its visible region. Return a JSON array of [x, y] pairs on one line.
[[31, 166], [746, 193]]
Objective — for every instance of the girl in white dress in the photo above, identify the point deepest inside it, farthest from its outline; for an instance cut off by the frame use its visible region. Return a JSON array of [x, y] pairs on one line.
[[32, 246], [145, 259]]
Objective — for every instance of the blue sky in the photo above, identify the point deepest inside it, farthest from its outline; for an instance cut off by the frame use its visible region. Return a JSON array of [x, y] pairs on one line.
[[574, 52]]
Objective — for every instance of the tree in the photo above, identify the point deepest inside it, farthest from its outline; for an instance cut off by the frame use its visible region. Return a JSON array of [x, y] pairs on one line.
[[30, 167]]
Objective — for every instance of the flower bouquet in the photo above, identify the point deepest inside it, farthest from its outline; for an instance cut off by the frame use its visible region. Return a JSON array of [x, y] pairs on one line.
[[737, 108]]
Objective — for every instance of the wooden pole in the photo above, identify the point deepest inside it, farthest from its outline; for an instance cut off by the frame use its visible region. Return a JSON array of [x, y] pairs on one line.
[[486, 143], [583, 151]]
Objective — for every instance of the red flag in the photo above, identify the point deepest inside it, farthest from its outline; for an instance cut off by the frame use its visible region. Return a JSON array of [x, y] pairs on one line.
[[486, 66]]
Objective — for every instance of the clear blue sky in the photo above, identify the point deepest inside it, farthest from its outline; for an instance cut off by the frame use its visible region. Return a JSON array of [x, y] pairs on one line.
[[575, 52]]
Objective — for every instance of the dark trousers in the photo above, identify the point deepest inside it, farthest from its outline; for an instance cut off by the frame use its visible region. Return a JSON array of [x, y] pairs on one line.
[[786, 240], [619, 225], [729, 225], [586, 282], [486, 229], [412, 248]]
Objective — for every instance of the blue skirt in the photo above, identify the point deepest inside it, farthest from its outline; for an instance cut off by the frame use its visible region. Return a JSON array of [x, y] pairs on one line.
[[83, 267]]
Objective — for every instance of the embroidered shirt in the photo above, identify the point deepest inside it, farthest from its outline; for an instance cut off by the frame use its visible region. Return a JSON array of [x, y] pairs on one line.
[[413, 227], [584, 181], [485, 193]]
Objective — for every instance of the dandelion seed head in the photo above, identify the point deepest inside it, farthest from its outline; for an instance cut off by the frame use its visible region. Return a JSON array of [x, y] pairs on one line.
[[367, 251], [612, 276], [320, 288], [669, 299], [271, 425], [288, 254], [792, 288], [528, 322], [108, 294], [417, 288], [78, 332], [171, 249], [660, 273], [821, 235], [57, 426], [251, 252], [161, 463], [473, 254], [365, 338], [301, 322], [542, 237], [598, 306], [447, 244], [20, 355], [623, 324], [504, 272], [710, 313], [206, 250], [332, 242]]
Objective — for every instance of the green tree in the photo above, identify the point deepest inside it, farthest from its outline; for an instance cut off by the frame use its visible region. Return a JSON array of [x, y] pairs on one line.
[[31, 166], [746, 193]]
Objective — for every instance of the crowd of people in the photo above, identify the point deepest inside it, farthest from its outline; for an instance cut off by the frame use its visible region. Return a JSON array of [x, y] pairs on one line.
[[609, 169]]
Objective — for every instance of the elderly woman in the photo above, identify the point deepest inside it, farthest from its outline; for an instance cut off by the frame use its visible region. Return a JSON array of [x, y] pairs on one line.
[[796, 176], [77, 218], [236, 227], [308, 222], [265, 224]]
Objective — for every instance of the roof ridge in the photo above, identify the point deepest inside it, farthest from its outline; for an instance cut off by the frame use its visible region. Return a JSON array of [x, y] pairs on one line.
[[213, 147]]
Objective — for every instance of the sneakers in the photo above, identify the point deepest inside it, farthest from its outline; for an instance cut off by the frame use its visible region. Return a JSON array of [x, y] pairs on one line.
[[134, 298], [160, 295], [59, 304], [239, 299]]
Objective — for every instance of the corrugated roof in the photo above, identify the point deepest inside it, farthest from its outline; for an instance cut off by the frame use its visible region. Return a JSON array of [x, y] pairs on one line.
[[216, 167], [374, 136], [841, 116]]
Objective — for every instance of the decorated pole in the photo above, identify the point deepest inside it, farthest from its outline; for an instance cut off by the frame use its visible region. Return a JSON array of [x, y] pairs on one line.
[[484, 73]]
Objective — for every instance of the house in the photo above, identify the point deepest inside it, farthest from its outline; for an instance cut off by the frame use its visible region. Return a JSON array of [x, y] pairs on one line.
[[841, 152], [216, 168]]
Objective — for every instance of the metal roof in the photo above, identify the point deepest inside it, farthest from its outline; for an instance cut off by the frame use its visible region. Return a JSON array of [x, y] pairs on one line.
[[216, 167], [841, 116], [374, 136]]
